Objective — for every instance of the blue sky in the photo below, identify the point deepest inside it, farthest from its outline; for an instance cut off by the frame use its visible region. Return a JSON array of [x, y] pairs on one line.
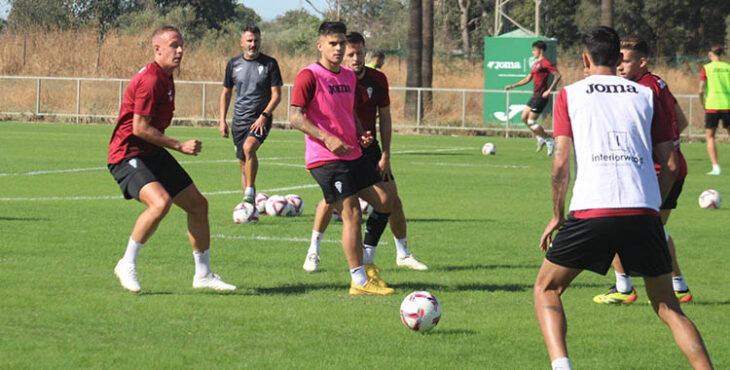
[[267, 9]]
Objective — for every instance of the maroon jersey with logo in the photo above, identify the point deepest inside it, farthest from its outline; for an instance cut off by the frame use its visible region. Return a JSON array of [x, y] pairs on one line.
[[665, 110], [540, 72], [371, 93], [151, 93]]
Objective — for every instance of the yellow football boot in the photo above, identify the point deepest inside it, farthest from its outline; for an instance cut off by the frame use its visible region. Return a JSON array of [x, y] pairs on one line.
[[370, 288]]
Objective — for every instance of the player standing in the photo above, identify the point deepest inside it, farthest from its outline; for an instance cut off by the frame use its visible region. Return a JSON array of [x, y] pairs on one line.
[[147, 172], [323, 100], [635, 52], [376, 58], [609, 123], [372, 101], [257, 80], [541, 70], [715, 96]]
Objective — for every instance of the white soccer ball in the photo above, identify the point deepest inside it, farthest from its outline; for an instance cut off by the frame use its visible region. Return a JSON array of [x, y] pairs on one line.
[[245, 213], [261, 202], [296, 204], [420, 311], [710, 199], [365, 207], [276, 205], [489, 149]]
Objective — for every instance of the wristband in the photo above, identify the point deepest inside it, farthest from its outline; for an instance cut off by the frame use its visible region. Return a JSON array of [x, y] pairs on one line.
[[265, 114]]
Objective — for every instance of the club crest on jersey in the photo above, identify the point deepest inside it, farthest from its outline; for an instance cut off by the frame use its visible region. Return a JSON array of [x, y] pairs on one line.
[[334, 89], [133, 162], [338, 185], [611, 89], [261, 69], [370, 92]]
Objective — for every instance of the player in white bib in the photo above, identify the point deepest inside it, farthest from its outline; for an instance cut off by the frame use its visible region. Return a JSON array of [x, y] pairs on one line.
[[608, 122]]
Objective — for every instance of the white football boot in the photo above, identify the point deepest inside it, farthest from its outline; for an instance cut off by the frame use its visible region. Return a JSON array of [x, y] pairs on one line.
[[550, 146], [411, 262], [211, 281], [127, 274], [311, 263]]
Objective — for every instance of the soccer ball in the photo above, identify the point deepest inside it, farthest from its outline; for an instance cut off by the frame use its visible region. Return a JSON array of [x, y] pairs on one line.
[[296, 204], [261, 202], [245, 213], [276, 205], [710, 199], [365, 207], [489, 149], [420, 311]]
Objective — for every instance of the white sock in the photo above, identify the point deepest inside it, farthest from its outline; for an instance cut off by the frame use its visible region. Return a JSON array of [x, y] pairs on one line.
[[539, 139], [359, 277], [368, 254], [623, 283], [202, 263], [316, 241], [562, 363], [679, 284], [249, 192], [716, 167], [401, 247], [133, 247]]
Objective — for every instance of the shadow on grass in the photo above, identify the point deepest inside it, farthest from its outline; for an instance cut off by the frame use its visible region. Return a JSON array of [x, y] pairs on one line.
[[24, 219], [452, 332], [483, 267], [298, 288], [708, 303], [440, 154], [454, 220], [416, 285]]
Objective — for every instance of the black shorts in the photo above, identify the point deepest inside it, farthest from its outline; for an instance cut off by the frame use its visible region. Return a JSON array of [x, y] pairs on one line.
[[590, 244], [373, 154], [342, 179], [537, 104], [134, 173], [241, 132], [671, 201], [712, 120]]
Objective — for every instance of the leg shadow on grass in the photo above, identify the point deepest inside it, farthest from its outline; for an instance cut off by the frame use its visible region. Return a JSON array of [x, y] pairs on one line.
[[483, 267], [299, 288], [451, 220], [455, 332], [415, 285], [24, 218]]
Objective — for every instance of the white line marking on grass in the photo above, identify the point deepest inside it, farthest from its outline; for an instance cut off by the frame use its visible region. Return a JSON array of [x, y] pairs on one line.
[[438, 150], [108, 197], [50, 172], [444, 164]]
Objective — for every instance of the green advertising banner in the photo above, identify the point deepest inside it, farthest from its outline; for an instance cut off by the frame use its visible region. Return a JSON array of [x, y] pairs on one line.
[[507, 60]]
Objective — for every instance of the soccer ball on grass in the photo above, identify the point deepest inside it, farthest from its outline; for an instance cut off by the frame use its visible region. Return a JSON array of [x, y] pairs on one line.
[[710, 199], [420, 311], [245, 213]]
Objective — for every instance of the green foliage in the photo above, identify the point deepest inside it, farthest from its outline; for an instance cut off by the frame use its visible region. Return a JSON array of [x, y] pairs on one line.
[[293, 32], [40, 14], [209, 13], [381, 22]]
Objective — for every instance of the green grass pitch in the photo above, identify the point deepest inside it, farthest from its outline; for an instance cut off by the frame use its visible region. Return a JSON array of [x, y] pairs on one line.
[[475, 220]]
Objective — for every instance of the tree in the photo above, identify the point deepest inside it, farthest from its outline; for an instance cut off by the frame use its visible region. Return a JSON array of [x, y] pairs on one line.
[[415, 43], [427, 50], [464, 7], [293, 32], [211, 13], [103, 15], [38, 14], [607, 13]]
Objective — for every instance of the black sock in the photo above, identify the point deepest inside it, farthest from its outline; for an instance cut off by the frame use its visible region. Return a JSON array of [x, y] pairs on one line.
[[374, 227]]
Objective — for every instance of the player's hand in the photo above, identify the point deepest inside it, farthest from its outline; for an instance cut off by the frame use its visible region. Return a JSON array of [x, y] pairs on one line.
[[259, 127], [508, 87], [336, 146], [546, 94], [191, 147], [384, 166], [366, 139], [547, 236], [223, 128]]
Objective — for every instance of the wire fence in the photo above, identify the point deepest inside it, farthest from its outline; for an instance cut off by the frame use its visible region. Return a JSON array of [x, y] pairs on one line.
[[444, 110]]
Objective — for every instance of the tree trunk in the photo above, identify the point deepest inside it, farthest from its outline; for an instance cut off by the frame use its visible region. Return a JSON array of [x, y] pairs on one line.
[[99, 41], [464, 6], [413, 75], [427, 52], [607, 13], [25, 45]]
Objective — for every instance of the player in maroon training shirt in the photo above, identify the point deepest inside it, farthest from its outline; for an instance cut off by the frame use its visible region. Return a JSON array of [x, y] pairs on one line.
[[541, 71], [147, 172]]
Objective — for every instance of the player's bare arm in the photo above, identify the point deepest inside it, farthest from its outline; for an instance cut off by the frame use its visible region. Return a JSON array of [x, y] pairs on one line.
[[524, 81], [364, 137], [303, 124], [702, 92], [225, 101], [386, 131], [259, 126], [668, 159], [560, 182], [142, 128], [556, 80], [682, 122]]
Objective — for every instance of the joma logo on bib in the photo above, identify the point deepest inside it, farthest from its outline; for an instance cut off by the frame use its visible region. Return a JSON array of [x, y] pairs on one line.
[[339, 89], [611, 89]]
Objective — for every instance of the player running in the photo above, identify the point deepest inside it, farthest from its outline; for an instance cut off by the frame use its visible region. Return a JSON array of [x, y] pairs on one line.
[[609, 123], [541, 71], [323, 100], [371, 101], [257, 80], [147, 172], [633, 66], [715, 96]]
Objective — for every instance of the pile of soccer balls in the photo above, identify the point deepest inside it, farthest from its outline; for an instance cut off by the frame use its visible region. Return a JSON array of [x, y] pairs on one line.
[[290, 205], [365, 207]]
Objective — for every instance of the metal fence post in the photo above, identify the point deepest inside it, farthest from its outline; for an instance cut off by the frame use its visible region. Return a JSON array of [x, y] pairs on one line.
[[418, 112], [78, 100], [204, 98], [38, 97], [121, 93], [288, 106], [463, 109]]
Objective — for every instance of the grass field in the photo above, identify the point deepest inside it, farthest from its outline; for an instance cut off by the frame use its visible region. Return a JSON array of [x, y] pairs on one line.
[[475, 220]]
